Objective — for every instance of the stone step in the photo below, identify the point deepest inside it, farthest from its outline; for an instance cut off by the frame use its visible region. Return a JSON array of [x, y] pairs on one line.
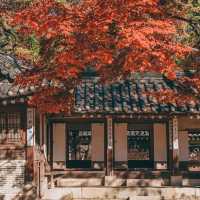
[[74, 182], [68, 197], [116, 182], [131, 193], [129, 198], [100, 199], [110, 181]]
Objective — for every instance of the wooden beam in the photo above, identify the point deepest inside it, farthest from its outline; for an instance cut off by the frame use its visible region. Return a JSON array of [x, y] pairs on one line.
[[51, 144], [170, 145], [109, 163]]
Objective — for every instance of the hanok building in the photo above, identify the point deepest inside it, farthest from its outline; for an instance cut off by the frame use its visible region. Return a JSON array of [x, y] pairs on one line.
[[116, 133]]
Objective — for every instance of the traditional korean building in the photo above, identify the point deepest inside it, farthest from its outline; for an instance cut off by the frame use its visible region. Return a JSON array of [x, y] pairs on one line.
[[116, 135]]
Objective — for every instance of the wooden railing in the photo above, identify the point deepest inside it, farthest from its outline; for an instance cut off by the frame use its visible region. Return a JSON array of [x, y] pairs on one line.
[[11, 137], [40, 167]]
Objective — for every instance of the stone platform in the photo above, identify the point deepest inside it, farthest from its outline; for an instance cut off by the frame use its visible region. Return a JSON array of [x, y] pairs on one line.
[[122, 193]]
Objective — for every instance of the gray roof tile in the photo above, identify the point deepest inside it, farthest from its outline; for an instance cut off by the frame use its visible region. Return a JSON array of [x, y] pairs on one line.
[[126, 97], [91, 96]]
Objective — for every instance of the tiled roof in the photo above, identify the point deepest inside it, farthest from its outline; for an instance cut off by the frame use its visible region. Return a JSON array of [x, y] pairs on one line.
[[126, 97], [9, 90], [91, 96], [9, 68]]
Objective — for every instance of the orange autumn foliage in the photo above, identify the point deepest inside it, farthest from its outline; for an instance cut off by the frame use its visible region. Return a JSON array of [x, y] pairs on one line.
[[116, 37]]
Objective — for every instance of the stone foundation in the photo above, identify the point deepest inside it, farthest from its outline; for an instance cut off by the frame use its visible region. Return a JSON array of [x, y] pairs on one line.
[[131, 193]]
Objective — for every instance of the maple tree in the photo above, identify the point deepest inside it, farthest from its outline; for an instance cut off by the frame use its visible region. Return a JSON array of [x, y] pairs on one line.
[[187, 14], [115, 37], [9, 40]]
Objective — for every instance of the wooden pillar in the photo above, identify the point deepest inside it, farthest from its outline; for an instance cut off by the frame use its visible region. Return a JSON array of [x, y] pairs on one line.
[[49, 141], [109, 163], [176, 178], [49, 148], [30, 142], [170, 147], [173, 145], [42, 130], [51, 145], [30, 127], [51, 153]]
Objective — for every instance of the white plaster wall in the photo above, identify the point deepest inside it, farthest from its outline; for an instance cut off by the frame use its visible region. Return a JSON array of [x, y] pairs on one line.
[[121, 149], [160, 142], [183, 146], [59, 139], [97, 142]]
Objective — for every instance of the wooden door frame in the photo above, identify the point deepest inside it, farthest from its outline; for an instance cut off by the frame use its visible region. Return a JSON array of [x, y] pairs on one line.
[[67, 148], [66, 122], [140, 123]]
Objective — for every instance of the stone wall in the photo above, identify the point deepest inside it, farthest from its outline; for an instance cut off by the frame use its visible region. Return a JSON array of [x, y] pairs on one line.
[[12, 172]]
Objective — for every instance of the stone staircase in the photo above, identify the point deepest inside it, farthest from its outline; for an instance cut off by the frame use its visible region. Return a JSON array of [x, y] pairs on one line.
[[112, 181], [112, 187], [122, 193]]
